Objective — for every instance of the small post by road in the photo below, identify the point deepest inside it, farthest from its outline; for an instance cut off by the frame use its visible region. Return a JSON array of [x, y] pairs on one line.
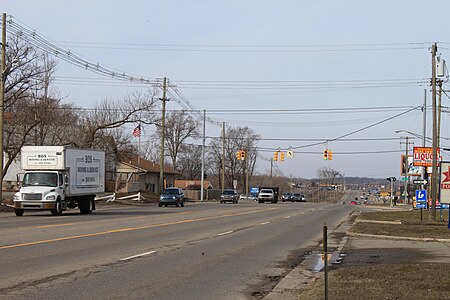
[[325, 258]]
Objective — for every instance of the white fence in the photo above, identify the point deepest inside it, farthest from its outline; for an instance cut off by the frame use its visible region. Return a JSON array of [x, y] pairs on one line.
[[112, 197]]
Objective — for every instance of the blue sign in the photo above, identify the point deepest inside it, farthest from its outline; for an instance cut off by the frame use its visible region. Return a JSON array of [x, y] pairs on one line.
[[254, 190], [421, 205], [421, 196]]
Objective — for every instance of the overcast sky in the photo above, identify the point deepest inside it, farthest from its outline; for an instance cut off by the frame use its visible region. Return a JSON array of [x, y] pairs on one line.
[[302, 72]]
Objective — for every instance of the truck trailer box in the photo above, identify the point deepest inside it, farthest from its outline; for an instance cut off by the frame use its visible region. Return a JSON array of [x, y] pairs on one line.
[[85, 168]]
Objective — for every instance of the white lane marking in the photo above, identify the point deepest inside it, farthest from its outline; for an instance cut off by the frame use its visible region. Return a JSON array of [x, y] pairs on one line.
[[287, 217], [224, 233], [138, 255], [265, 223]]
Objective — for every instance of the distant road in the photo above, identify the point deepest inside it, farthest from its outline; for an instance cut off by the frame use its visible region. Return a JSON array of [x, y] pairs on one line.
[[201, 251]]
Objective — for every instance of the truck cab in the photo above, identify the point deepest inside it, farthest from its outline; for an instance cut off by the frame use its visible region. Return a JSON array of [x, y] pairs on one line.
[[41, 190]]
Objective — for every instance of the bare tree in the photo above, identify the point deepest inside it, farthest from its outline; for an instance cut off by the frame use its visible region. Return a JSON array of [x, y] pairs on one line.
[[180, 126], [328, 175], [96, 124], [238, 138], [190, 162], [27, 73]]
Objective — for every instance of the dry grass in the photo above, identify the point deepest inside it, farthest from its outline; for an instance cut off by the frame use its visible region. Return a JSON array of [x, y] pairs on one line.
[[411, 225], [393, 280], [406, 281]]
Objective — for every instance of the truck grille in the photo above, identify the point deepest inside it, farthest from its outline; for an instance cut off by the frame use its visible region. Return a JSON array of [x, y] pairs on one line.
[[32, 196]]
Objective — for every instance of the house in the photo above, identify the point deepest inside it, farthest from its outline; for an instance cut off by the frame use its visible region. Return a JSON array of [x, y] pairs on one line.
[[134, 173], [193, 184]]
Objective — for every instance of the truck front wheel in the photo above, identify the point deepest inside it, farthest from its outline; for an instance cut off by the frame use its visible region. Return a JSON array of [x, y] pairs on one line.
[[57, 211], [19, 212]]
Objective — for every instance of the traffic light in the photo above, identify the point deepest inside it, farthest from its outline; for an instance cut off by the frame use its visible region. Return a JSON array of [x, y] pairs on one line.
[[325, 154], [275, 156], [239, 155], [242, 155], [281, 156], [330, 155]]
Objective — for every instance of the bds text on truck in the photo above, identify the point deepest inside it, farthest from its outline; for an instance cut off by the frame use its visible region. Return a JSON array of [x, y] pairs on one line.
[[58, 177]]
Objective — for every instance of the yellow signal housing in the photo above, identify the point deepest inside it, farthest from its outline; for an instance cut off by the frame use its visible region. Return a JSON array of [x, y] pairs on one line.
[[330, 155], [275, 156], [325, 154], [242, 155], [282, 156]]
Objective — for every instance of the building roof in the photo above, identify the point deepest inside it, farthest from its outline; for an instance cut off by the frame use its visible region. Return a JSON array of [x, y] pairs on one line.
[[145, 165]]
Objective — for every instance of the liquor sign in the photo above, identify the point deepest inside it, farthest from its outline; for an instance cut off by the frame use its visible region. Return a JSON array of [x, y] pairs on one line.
[[445, 182], [423, 156]]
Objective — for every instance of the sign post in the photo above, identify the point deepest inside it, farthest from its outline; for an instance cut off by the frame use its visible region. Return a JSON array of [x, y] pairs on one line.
[[421, 201]]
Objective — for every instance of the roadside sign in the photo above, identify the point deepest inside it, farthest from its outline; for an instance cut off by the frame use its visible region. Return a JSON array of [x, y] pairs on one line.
[[421, 196], [424, 181], [404, 178], [445, 182], [423, 156], [421, 205], [290, 154]]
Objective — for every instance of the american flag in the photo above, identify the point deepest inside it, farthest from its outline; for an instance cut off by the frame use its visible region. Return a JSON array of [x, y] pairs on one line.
[[137, 131]]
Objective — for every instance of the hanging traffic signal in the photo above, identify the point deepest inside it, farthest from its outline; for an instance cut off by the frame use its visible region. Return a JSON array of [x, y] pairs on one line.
[[330, 155], [242, 155], [325, 154], [275, 156], [281, 156], [239, 155]]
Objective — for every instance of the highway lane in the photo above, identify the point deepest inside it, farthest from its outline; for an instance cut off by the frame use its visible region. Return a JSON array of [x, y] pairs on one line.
[[202, 251]]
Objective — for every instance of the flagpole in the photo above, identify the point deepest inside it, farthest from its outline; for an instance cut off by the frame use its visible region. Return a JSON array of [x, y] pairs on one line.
[[139, 154]]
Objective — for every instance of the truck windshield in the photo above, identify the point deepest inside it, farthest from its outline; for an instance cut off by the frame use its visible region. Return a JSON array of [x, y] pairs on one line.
[[40, 179]]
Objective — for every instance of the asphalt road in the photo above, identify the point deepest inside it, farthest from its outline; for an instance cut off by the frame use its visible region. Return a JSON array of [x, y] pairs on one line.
[[201, 251]]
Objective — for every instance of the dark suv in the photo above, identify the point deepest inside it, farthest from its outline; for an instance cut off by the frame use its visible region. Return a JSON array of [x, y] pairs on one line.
[[173, 196], [229, 195]]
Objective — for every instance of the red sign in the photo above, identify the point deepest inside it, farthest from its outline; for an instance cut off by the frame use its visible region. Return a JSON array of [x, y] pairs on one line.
[[423, 156]]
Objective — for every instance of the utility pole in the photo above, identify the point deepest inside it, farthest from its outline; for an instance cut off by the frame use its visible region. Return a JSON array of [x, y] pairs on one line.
[[434, 179], [223, 156], [2, 100], [203, 157], [163, 129], [271, 171], [247, 167]]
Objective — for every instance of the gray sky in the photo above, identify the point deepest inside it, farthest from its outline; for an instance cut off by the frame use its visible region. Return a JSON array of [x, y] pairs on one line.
[[305, 63]]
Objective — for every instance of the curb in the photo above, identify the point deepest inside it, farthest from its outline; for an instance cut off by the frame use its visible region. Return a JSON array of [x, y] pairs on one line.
[[397, 237]]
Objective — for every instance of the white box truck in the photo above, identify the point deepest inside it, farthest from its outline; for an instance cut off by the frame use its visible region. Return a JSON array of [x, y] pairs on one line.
[[58, 177]]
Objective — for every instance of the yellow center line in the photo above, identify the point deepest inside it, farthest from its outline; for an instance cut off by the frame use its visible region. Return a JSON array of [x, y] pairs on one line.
[[129, 229]]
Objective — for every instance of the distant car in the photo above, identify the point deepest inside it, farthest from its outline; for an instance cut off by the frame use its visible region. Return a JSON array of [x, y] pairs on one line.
[[171, 196], [246, 197], [299, 197], [229, 195], [353, 202], [287, 197]]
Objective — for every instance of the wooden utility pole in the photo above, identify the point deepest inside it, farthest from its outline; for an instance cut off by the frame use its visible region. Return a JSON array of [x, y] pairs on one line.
[[247, 167], [2, 100], [163, 129], [223, 156], [434, 176]]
